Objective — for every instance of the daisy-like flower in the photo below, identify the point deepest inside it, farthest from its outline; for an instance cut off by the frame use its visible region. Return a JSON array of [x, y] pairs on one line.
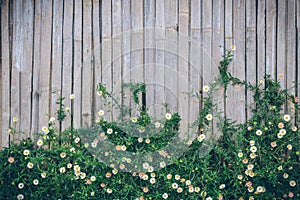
[[101, 112], [82, 175], [122, 166], [162, 164], [191, 189], [145, 177], [72, 96], [294, 129], [153, 175], [26, 152], [165, 196], [30, 165], [94, 144], [253, 149], [280, 168], [152, 180], [43, 175], [168, 116], [140, 140], [77, 173], [169, 176], [209, 117], [258, 132], [93, 178], [188, 182], [62, 170], [240, 177], [86, 145], [259, 189], [182, 180], [77, 140], [273, 144], [280, 76], [123, 148], [232, 47], [109, 191], [114, 171], [177, 177], [99, 93], [11, 159], [52, 119], [179, 189], [35, 182], [222, 186], [150, 169], [205, 88], [174, 185], [282, 131], [76, 168], [145, 165], [279, 135], [67, 109], [128, 160], [289, 146], [69, 165], [157, 124], [92, 193], [250, 189], [145, 190], [20, 185], [293, 183], [252, 143], [280, 125], [201, 137], [209, 198], [240, 154], [63, 154], [39, 142], [15, 119], [285, 175], [249, 128], [250, 166], [147, 141], [197, 189], [291, 195], [109, 131], [20, 196], [252, 155], [245, 161], [286, 118], [133, 119]]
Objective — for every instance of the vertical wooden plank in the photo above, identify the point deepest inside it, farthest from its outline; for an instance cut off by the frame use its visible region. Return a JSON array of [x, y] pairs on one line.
[[87, 65], [77, 87], [96, 51], [271, 37], [171, 62], [160, 38], [183, 65], [26, 73], [291, 49], [67, 58], [36, 67], [126, 46], [298, 50], [17, 65], [261, 62], [56, 56], [250, 49], [228, 24], [195, 71], [149, 14], [46, 22], [116, 40], [137, 57], [238, 103], [281, 45], [106, 49], [5, 75]]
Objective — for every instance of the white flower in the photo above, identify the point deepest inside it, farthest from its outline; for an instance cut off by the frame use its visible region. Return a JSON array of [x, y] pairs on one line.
[[150, 169], [252, 143], [63, 154], [293, 183], [20, 196], [62, 170], [152, 180], [157, 125], [252, 155], [145, 177], [133, 119], [145, 165], [109, 190], [35, 182], [165, 195], [197, 189], [101, 112], [67, 109], [43, 175], [253, 149], [82, 175], [209, 117], [69, 165], [285, 175], [39, 142], [177, 177], [72, 149], [174, 185], [222, 186], [205, 88], [279, 135], [20, 185], [93, 178], [240, 154], [168, 116], [72, 96], [179, 190], [209, 198], [258, 132], [188, 182], [286, 118], [26, 152], [123, 148], [52, 119], [201, 137], [99, 93], [30, 165], [162, 164], [109, 131], [282, 131], [77, 140], [289, 146]]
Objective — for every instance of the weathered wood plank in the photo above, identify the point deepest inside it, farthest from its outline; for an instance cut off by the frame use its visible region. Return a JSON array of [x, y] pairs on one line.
[[171, 61], [183, 66], [281, 43], [149, 15], [5, 75], [160, 37], [67, 58], [107, 49], [298, 46], [116, 57], [250, 49], [87, 65], [44, 99], [77, 82], [271, 37], [261, 62], [56, 57]]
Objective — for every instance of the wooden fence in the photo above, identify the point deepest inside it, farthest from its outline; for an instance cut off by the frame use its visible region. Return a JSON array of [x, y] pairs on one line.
[[51, 48]]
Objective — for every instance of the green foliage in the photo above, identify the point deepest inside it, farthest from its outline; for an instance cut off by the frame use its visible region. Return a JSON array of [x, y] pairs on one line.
[[258, 159]]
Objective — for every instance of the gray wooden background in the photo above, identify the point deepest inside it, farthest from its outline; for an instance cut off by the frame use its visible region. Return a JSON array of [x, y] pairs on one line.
[[52, 47]]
